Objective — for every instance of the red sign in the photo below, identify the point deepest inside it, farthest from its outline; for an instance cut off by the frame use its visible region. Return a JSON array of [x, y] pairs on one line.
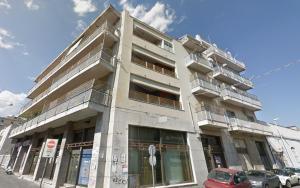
[[50, 148], [51, 144]]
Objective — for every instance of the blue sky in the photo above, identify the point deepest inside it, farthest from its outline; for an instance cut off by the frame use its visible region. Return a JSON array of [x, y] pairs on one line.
[[263, 34]]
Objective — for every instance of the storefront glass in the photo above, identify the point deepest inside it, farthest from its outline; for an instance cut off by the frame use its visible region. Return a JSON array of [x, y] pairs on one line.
[[172, 156]]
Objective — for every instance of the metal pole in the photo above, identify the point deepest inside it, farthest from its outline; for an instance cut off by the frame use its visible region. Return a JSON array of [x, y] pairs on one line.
[[44, 170], [153, 180]]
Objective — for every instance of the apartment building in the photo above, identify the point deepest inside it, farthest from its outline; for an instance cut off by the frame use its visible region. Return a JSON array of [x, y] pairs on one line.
[[123, 85]]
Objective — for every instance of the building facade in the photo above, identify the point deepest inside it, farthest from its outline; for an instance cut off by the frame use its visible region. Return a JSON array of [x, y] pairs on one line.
[[285, 146], [122, 86]]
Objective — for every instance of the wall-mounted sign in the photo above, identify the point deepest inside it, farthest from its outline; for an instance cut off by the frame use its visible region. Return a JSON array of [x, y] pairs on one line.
[[50, 148]]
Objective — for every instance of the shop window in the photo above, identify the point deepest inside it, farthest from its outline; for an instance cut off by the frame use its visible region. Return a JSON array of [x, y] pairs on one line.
[[172, 156]]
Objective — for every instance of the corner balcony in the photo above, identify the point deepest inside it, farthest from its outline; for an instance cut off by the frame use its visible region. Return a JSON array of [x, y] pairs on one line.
[[94, 66], [211, 120], [198, 63], [243, 126], [85, 104], [225, 58], [194, 44], [231, 77], [202, 86], [105, 29], [240, 98]]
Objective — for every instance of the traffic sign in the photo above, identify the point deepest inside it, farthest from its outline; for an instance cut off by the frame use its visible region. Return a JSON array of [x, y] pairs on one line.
[[152, 160], [50, 148], [151, 150]]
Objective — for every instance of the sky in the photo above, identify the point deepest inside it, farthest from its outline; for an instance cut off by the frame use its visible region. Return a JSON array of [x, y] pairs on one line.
[[265, 35]]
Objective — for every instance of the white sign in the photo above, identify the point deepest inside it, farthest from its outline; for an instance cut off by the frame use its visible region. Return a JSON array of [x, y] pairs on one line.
[[151, 150], [152, 160], [50, 148]]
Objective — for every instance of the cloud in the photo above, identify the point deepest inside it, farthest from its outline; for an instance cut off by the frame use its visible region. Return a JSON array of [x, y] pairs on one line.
[[181, 19], [81, 25], [5, 4], [25, 53], [6, 40], [11, 103], [31, 4], [81, 7], [160, 16]]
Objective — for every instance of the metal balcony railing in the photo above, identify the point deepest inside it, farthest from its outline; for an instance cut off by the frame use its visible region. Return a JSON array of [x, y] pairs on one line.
[[198, 81], [211, 116], [102, 56], [106, 26], [240, 95], [198, 59], [228, 57], [228, 73], [86, 96], [257, 126], [152, 99], [153, 67]]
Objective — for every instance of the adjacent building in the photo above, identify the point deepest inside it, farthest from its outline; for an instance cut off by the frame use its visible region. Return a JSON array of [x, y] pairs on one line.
[[285, 146], [122, 86]]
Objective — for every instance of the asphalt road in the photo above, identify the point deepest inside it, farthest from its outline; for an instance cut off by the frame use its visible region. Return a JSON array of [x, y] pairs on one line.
[[12, 181]]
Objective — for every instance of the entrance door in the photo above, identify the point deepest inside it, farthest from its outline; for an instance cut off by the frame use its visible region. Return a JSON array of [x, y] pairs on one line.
[[213, 152], [73, 167]]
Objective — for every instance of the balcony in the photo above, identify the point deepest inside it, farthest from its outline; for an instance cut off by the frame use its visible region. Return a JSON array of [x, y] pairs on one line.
[[149, 64], [231, 77], [198, 63], [243, 126], [211, 119], [202, 86], [105, 28], [225, 58], [240, 98], [84, 104], [156, 100], [100, 64], [194, 44]]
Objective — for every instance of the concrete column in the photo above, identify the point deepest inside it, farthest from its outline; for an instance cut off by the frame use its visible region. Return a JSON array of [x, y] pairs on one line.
[[97, 167], [41, 161], [29, 157], [62, 160], [231, 155]]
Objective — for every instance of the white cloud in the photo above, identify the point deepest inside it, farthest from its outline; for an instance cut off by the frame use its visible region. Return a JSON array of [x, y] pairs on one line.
[[81, 25], [25, 53], [160, 16], [31, 4], [81, 7], [6, 40], [5, 4], [11, 103]]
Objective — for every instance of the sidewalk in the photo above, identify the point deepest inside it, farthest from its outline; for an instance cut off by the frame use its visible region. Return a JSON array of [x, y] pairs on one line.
[[12, 181]]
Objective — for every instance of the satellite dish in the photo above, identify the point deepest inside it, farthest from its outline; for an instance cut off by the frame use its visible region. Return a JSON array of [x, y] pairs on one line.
[[224, 65], [233, 87], [215, 45], [210, 59]]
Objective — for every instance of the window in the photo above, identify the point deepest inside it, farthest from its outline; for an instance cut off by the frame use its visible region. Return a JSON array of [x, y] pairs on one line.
[[219, 175], [172, 156], [250, 118], [168, 46]]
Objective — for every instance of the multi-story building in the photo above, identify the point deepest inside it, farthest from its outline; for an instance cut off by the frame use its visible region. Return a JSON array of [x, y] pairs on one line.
[[122, 86]]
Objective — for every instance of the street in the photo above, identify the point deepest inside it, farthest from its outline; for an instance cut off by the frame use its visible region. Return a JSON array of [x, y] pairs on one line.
[[12, 181]]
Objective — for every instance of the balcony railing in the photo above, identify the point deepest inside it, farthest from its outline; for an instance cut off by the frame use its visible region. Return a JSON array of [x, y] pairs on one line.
[[106, 26], [208, 115], [214, 50], [102, 56], [154, 67], [152, 99], [249, 126], [241, 95], [228, 73], [198, 59], [205, 84], [83, 97]]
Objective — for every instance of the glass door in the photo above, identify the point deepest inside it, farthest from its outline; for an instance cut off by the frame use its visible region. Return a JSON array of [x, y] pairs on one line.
[[73, 167]]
